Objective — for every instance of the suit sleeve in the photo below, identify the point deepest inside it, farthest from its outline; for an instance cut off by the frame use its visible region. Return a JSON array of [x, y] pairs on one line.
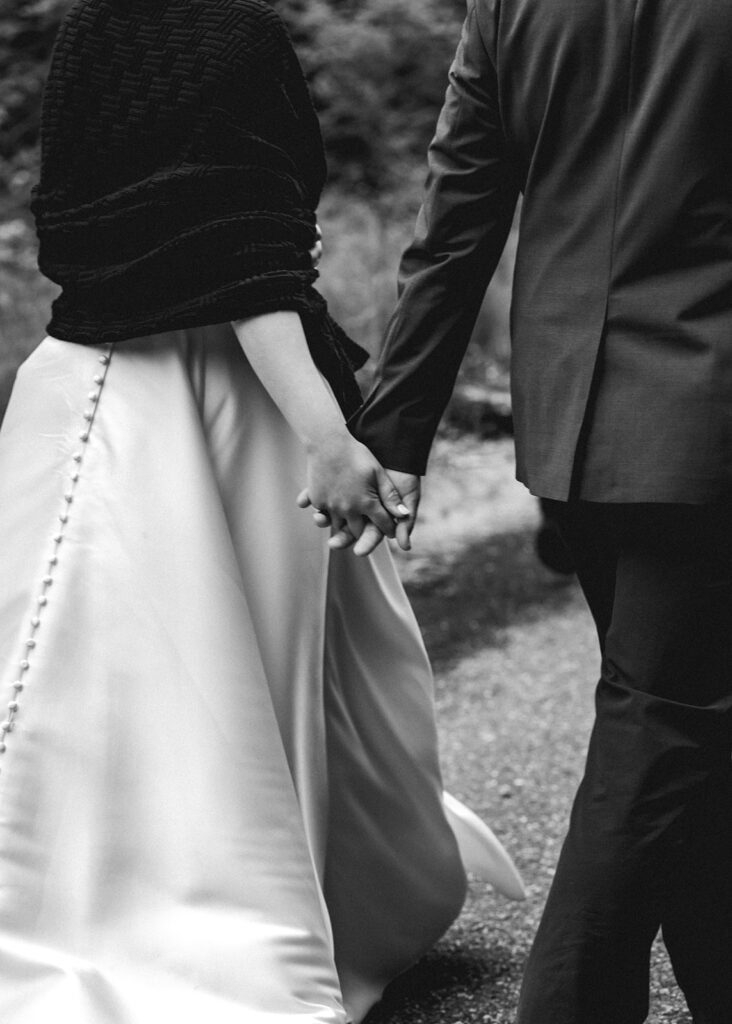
[[459, 237]]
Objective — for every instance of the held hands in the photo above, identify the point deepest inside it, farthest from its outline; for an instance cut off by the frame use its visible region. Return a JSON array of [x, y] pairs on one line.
[[409, 488], [350, 491], [354, 496]]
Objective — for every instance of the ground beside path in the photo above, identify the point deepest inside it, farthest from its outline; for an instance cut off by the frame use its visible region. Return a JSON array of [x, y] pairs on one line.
[[515, 660]]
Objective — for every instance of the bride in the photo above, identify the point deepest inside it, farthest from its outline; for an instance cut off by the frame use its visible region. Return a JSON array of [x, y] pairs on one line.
[[220, 798]]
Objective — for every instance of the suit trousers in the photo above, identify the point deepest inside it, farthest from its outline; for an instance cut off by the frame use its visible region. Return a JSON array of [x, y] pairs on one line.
[[649, 843]]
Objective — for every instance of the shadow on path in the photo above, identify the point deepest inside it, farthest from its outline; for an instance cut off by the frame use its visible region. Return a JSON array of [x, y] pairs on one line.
[[464, 602], [448, 984]]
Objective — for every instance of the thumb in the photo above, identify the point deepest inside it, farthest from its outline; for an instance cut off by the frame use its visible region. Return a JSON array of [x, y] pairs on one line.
[[390, 497], [404, 535]]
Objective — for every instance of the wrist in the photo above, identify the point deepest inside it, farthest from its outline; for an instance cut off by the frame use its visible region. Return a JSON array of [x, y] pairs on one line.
[[330, 438]]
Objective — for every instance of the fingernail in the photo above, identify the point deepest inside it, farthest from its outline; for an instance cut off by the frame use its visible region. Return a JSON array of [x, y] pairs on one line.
[[402, 510]]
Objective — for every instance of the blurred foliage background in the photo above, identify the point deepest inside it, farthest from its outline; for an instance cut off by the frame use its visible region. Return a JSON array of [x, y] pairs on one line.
[[377, 71]]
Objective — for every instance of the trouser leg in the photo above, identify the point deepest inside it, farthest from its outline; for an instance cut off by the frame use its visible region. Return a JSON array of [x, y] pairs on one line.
[[697, 907], [697, 913], [657, 580]]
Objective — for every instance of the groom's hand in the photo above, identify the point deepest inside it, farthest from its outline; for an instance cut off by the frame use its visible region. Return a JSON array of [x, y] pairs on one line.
[[409, 487]]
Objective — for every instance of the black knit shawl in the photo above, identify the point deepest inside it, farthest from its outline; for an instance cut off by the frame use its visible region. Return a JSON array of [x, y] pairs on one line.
[[181, 166]]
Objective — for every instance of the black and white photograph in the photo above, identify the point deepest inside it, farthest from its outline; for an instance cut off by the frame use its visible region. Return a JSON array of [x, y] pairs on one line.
[[365, 512]]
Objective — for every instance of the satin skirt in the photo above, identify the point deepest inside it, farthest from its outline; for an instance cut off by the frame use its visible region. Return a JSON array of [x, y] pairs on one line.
[[220, 797]]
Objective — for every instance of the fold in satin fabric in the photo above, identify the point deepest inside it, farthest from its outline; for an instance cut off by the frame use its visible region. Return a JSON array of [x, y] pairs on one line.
[[220, 797]]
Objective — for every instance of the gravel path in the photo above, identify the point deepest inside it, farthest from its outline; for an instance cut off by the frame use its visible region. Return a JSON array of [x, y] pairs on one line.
[[515, 660]]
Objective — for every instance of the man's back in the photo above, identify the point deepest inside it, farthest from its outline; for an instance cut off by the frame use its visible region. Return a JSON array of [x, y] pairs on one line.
[[614, 119], [619, 120]]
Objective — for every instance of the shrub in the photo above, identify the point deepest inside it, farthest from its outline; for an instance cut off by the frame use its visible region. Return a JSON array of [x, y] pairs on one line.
[[377, 71]]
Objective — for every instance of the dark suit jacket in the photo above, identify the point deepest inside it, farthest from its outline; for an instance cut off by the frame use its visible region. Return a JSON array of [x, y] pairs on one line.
[[614, 119]]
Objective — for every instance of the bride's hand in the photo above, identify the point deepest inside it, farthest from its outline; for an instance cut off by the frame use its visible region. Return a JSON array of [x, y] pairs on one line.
[[342, 539], [351, 492], [409, 487]]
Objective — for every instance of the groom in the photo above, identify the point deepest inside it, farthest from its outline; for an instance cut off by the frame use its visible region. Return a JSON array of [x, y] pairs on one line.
[[613, 118]]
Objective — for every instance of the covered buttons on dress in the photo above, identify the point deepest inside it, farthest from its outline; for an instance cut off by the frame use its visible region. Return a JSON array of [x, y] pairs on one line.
[[18, 686]]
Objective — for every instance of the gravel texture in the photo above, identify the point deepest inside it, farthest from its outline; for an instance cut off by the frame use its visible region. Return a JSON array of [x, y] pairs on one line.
[[515, 659]]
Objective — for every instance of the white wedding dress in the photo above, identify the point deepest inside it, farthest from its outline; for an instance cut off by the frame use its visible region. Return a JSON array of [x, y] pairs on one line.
[[220, 801]]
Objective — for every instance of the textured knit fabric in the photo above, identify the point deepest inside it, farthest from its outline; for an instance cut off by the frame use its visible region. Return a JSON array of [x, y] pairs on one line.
[[181, 167]]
